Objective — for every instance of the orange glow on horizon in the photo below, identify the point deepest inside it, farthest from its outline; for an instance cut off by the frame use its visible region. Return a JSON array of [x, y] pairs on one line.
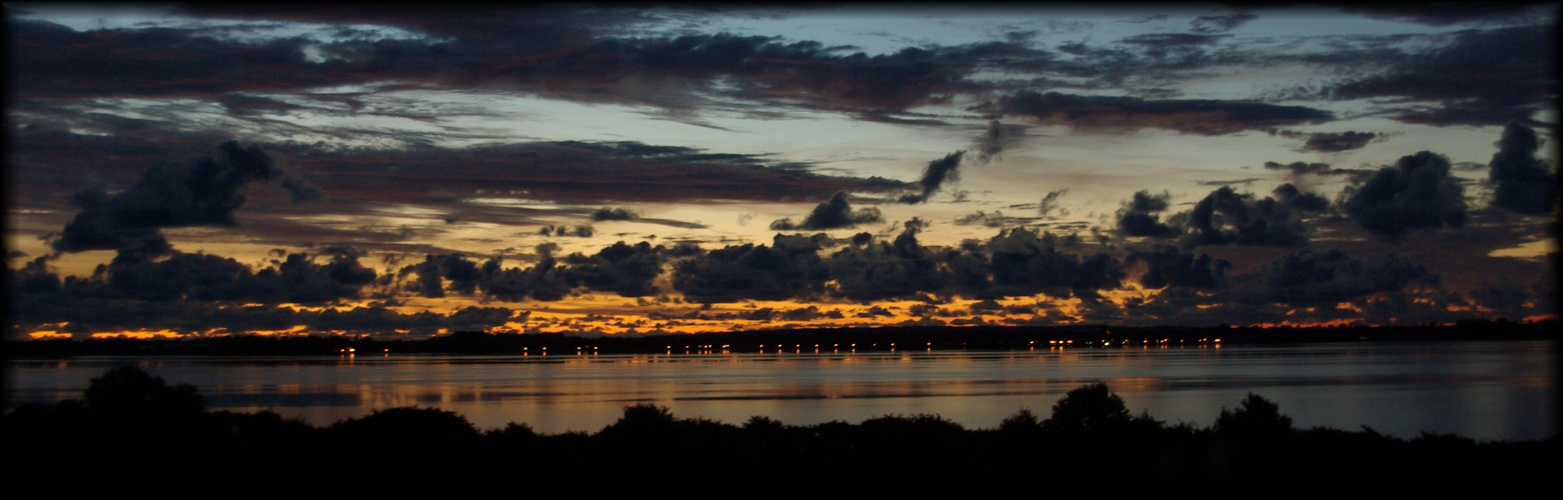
[[139, 334], [48, 334]]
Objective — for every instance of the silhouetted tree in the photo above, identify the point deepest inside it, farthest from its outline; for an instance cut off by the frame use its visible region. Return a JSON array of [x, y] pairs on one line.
[[1090, 408], [642, 420], [1022, 421], [1256, 416]]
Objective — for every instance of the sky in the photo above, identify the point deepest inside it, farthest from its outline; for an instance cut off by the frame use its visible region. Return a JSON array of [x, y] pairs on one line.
[[401, 172]]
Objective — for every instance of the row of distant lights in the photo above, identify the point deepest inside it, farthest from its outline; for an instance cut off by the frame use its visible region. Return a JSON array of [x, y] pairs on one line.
[[1106, 342], [349, 351]]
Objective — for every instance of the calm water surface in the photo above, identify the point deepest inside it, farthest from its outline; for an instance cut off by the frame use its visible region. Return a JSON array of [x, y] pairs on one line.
[[1484, 390]]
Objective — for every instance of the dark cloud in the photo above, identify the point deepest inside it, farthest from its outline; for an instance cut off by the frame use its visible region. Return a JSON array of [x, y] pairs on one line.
[[1017, 262], [198, 191], [35, 277], [1478, 79], [1224, 216], [583, 231], [572, 172], [993, 142], [808, 313], [301, 190], [606, 213], [544, 281], [1524, 183], [785, 270], [1300, 168], [1327, 278], [874, 312], [1188, 116], [764, 68], [995, 219], [427, 282], [1417, 193], [882, 270], [1245, 182], [833, 214], [1049, 203], [201, 277], [558, 52], [1300, 200], [1448, 13], [1344, 141], [1138, 216], [1168, 267], [51, 61], [1021, 263], [90, 315], [934, 176], [627, 270]]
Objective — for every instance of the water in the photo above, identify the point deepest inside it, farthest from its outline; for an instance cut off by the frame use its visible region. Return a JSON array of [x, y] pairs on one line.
[[1483, 390]]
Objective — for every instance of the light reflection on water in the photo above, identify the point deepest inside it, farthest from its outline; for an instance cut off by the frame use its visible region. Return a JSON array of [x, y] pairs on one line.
[[1485, 390]]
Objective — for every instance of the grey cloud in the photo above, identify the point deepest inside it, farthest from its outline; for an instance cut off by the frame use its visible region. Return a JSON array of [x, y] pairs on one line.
[[1138, 216], [1168, 267], [205, 278], [1300, 200], [898, 269], [1417, 193], [606, 213], [1327, 278], [833, 214], [1524, 183], [1049, 203], [1188, 116], [1023, 264], [995, 139], [1224, 216], [197, 191], [301, 190], [1478, 79], [994, 219], [934, 176], [1300, 168], [1344, 141], [627, 270], [784, 270]]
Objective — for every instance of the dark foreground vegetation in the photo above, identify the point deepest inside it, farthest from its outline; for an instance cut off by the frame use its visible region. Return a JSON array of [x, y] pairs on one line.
[[134, 430], [840, 339]]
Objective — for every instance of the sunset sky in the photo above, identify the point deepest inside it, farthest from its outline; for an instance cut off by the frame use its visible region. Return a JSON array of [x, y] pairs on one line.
[[400, 172]]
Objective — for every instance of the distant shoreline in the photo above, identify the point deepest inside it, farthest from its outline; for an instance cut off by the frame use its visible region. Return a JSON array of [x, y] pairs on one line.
[[839, 339]]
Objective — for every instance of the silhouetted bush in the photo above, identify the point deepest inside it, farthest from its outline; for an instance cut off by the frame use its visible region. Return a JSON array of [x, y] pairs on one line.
[[408, 427], [761, 423], [642, 421], [513, 434], [128, 390]]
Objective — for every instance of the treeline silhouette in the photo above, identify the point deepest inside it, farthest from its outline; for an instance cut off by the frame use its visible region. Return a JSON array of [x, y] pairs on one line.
[[837, 339], [132, 428]]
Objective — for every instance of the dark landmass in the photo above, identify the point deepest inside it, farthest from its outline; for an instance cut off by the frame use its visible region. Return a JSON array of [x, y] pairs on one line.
[[797, 340], [133, 430]]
